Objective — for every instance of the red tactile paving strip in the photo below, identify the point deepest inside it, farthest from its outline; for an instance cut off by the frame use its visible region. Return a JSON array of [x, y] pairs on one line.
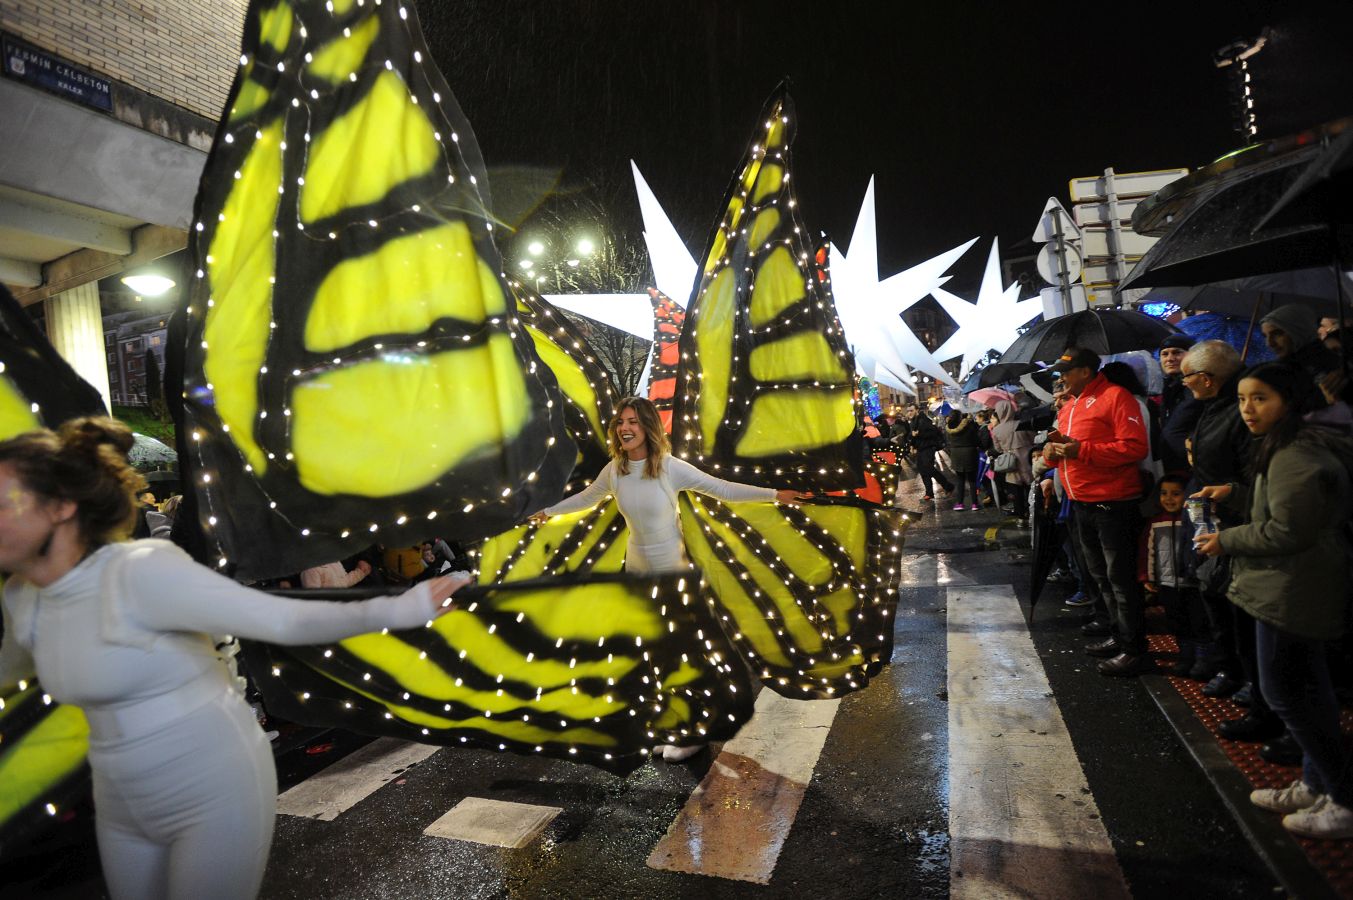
[[1334, 859]]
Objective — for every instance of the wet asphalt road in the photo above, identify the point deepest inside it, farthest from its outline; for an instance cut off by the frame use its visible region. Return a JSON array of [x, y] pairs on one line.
[[874, 820]]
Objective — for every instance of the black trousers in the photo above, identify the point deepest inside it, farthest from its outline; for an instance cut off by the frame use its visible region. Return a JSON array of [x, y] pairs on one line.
[[1108, 537], [925, 464], [1184, 611]]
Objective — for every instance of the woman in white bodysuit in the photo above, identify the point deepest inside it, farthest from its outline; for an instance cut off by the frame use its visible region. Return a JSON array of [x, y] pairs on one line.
[[645, 479], [184, 783]]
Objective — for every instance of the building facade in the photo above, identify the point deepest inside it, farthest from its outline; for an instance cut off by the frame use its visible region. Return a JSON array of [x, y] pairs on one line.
[[114, 105]]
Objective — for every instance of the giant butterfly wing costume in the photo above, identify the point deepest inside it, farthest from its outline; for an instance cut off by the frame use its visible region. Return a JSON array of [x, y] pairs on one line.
[[763, 394], [359, 370], [354, 365], [42, 743]]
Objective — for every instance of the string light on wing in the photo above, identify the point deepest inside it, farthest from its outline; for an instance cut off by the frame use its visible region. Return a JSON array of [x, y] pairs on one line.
[[589, 396], [354, 362], [808, 593], [765, 389], [596, 670]]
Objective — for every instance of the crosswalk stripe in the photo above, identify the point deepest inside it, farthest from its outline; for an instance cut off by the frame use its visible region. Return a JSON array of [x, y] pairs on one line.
[[735, 823], [325, 795], [497, 823], [1022, 821]]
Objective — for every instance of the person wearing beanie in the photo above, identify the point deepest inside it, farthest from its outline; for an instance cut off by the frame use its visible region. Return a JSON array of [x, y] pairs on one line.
[[1292, 333], [1179, 411]]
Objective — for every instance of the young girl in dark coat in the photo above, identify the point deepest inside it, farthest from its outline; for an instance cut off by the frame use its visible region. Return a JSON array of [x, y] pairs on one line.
[[1290, 571]]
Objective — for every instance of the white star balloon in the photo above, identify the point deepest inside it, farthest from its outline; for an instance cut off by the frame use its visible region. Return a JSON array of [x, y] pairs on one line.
[[870, 309], [992, 323]]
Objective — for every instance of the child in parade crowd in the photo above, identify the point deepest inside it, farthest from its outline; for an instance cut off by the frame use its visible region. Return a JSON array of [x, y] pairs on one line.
[[1165, 563]]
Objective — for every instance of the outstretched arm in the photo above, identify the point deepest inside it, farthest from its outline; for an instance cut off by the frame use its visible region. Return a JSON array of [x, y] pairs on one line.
[[588, 497], [164, 590], [686, 477]]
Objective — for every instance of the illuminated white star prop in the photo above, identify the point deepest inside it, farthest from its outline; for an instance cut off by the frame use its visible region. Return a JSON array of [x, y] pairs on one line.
[[674, 271], [992, 323], [870, 310], [674, 268]]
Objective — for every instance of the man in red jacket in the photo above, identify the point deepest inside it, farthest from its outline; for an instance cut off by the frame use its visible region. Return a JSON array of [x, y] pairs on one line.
[[1102, 440]]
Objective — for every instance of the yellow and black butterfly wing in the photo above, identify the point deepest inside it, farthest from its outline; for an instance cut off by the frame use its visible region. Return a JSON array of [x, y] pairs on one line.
[[597, 670], [585, 387], [42, 744], [808, 594], [591, 541], [43, 769], [354, 365], [765, 391]]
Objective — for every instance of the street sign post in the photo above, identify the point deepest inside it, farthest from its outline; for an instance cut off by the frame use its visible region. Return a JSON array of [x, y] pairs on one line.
[[1059, 262]]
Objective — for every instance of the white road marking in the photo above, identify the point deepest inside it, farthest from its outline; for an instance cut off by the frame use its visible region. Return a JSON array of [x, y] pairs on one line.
[[497, 823], [1022, 821], [736, 822], [330, 792]]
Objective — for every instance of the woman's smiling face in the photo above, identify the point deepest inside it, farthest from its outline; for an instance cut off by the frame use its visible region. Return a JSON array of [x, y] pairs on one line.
[[629, 433]]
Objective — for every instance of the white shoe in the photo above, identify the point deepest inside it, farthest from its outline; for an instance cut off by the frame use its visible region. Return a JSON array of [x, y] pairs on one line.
[[1326, 819], [1293, 798], [678, 754]]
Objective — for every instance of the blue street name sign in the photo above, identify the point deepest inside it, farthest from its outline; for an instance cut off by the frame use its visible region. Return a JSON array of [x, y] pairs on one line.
[[24, 62]]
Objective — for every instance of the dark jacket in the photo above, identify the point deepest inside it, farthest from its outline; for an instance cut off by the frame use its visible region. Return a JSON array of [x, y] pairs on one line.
[[1179, 412], [1290, 562], [925, 434], [963, 445], [1221, 444]]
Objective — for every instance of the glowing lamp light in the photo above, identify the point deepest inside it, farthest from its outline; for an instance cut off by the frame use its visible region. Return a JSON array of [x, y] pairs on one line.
[[148, 285], [585, 247], [535, 248]]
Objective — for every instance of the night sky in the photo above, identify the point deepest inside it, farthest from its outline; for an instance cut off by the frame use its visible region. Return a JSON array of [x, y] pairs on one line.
[[969, 114]]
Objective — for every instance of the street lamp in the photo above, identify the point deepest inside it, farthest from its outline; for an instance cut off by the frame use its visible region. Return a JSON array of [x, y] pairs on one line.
[[585, 247], [148, 284], [535, 248]]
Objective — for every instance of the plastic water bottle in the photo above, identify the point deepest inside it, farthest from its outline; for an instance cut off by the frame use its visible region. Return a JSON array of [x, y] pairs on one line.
[[1200, 514]]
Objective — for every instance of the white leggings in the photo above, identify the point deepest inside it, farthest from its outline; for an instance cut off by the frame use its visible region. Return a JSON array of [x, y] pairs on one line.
[[188, 810]]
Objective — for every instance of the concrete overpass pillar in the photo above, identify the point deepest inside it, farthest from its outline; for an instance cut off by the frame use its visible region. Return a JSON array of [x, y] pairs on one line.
[[75, 328]]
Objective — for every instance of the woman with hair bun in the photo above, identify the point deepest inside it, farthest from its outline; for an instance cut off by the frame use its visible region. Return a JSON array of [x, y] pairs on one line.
[[184, 782]]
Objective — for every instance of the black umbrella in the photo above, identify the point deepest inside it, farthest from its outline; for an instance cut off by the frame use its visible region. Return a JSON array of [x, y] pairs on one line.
[[1322, 194], [1213, 237], [1035, 418], [997, 373], [1315, 288], [1105, 331], [1045, 547]]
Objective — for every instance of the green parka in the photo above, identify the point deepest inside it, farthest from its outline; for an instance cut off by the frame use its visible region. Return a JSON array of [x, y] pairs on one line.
[[1290, 561]]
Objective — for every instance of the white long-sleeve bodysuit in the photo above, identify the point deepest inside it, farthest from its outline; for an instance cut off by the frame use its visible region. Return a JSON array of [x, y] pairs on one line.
[[649, 506], [184, 783]]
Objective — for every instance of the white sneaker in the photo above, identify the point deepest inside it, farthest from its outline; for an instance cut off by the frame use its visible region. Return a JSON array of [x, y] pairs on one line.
[[678, 754], [1296, 796], [1326, 819]]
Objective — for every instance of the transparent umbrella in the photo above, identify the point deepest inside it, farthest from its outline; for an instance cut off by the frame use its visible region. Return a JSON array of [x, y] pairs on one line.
[[149, 453]]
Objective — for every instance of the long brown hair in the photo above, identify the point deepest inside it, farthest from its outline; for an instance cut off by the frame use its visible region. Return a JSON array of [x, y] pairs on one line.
[[84, 461], [654, 436]]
